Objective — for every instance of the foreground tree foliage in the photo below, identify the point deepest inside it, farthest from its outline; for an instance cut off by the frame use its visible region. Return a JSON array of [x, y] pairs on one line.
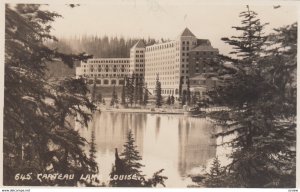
[[38, 136], [261, 97], [158, 96], [127, 169]]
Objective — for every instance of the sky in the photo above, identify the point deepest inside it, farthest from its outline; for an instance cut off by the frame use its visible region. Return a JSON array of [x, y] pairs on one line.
[[166, 18]]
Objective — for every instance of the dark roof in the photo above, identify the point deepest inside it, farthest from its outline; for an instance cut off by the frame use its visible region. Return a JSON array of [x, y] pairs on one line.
[[187, 33], [203, 42], [139, 44], [204, 48]]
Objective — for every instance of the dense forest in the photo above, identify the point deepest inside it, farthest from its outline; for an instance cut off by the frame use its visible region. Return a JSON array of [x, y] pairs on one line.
[[105, 47]]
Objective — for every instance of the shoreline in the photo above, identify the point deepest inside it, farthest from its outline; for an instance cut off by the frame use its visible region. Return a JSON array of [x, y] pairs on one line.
[[148, 111]]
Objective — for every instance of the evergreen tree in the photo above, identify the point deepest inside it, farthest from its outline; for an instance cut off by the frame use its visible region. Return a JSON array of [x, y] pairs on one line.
[[215, 175], [136, 90], [194, 99], [146, 95], [114, 97], [169, 100], [172, 99], [92, 157], [128, 163], [123, 95], [103, 101], [141, 87], [92, 150], [99, 97], [104, 47], [180, 87], [158, 93], [262, 106], [93, 96], [188, 92], [131, 155], [37, 137], [130, 89], [183, 97]]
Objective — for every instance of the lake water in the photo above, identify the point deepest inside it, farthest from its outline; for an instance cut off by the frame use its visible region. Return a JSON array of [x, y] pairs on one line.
[[180, 145]]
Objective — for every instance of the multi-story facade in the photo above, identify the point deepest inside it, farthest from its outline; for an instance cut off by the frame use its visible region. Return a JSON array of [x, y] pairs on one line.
[[172, 61], [105, 71], [176, 61], [137, 59]]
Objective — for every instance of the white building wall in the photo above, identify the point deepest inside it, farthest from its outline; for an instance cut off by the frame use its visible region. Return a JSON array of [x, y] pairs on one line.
[[163, 60], [137, 61], [106, 71]]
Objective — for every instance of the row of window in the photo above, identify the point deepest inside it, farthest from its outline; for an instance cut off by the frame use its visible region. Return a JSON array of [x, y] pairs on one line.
[[105, 75], [108, 61], [105, 82], [91, 66], [159, 47], [107, 70]]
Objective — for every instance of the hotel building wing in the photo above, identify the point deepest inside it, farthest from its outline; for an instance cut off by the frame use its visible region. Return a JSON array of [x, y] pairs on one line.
[[182, 58]]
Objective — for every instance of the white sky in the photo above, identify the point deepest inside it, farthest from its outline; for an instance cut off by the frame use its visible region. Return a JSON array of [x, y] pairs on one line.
[[166, 18]]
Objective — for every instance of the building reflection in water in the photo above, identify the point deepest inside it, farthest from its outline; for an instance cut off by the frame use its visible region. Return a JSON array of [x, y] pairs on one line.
[[196, 146], [176, 143]]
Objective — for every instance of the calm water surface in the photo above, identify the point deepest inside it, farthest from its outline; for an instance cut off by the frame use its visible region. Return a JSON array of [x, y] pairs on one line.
[[180, 145]]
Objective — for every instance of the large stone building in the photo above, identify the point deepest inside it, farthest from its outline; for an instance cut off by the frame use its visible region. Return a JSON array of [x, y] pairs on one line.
[[173, 61], [105, 71]]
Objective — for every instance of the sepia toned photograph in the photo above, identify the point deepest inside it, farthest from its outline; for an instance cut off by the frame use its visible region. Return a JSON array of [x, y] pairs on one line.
[[150, 93]]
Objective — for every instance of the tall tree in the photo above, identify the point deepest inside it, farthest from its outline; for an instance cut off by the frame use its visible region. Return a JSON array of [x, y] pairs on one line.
[[114, 97], [215, 174], [262, 106], [146, 95], [93, 95], [169, 100], [37, 137], [180, 87], [188, 91], [92, 157], [141, 95], [136, 89], [123, 95], [158, 99], [172, 99], [130, 89], [128, 163], [131, 155], [99, 97], [183, 98]]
